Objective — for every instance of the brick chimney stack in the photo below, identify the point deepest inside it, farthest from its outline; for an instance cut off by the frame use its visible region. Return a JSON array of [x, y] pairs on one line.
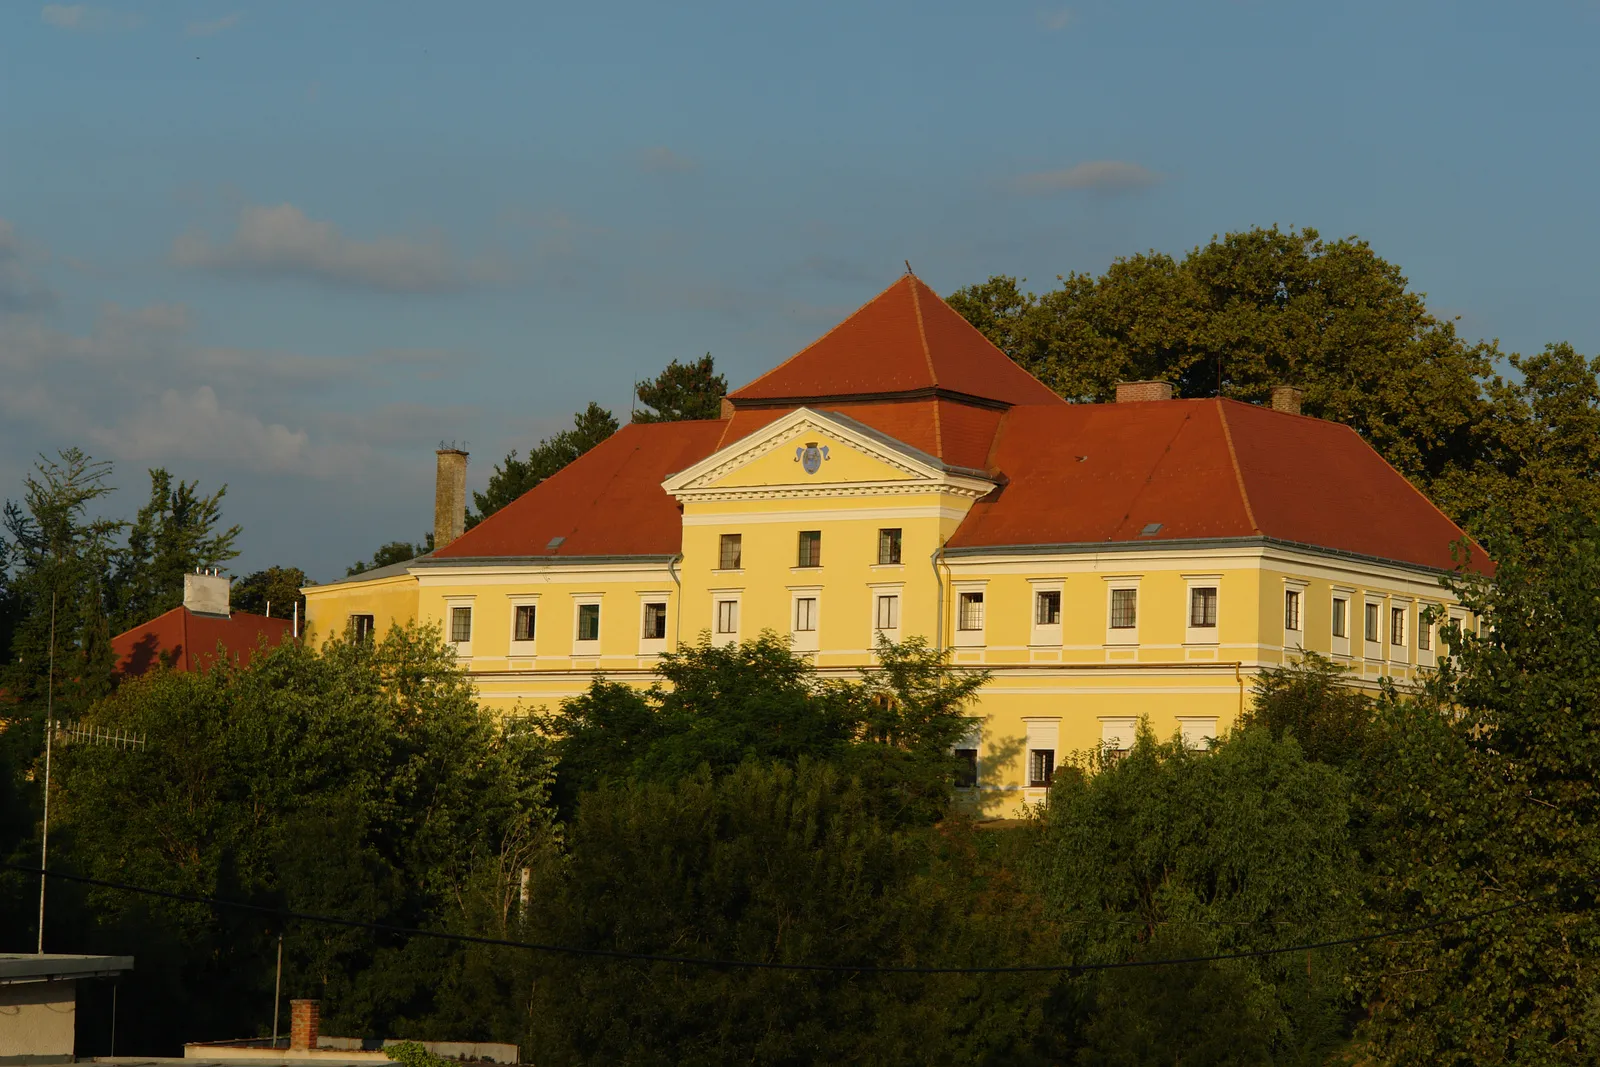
[[450, 497], [305, 1020], [1132, 392], [1287, 398]]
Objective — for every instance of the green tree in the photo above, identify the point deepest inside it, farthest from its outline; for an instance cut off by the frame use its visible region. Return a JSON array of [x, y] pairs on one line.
[[1314, 702], [391, 553], [274, 591], [174, 534], [692, 390], [778, 864], [516, 476], [1171, 853]]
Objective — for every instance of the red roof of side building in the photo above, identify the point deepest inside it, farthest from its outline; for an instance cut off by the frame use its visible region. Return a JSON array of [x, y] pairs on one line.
[[608, 502], [905, 340], [189, 641], [1202, 469]]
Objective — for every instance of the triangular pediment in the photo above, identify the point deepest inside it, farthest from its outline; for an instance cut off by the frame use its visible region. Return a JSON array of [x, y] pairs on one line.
[[816, 452]]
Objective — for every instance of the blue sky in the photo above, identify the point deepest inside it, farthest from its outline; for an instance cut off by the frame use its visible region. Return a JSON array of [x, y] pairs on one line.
[[291, 247]]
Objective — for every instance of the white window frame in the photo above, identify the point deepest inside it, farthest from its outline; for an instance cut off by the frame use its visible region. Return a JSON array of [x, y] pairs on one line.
[[451, 603], [1044, 734], [654, 646], [579, 601], [1123, 636], [719, 568], [1400, 653], [1045, 635], [718, 598], [1118, 733], [968, 638], [1294, 640], [1427, 657], [1340, 646], [515, 648], [1198, 731], [805, 640], [1372, 647], [876, 590], [1201, 635]]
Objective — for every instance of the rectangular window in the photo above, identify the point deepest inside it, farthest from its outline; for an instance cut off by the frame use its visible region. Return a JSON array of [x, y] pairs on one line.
[[805, 614], [888, 547], [361, 627], [588, 622], [1047, 608], [727, 616], [810, 548], [1291, 609], [1341, 617], [1203, 606], [460, 625], [1041, 767], [655, 622], [1124, 609], [1371, 621], [888, 614], [1397, 626], [523, 624], [966, 768], [1424, 634], [732, 557], [969, 612]]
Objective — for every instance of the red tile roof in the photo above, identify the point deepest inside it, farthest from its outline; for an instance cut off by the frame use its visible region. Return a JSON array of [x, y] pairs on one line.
[[1202, 469], [609, 502], [904, 340], [189, 641]]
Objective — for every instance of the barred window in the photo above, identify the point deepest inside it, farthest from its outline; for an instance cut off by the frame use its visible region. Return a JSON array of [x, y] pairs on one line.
[[1341, 617], [966, 768], [361, 627], [1291, 609], [1047, 608], [888, 546], [805, 614], [655, 622], [460, 625], [727, 616], [588, 622], [732, 557], [1124, 609], [1041, 767], [969, 611], [523, 628], [1203, 606], [1397, 626], [888, 614], [810, 548]]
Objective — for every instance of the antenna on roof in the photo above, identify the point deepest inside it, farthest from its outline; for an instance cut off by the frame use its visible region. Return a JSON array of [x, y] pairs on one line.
[[908, 268]]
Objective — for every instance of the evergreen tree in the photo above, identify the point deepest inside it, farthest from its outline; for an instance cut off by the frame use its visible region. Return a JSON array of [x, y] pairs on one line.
[[683, 391], [516, 476], [174, 534]]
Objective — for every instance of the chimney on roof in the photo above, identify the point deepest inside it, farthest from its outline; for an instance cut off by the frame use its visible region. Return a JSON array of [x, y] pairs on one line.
[[726, 411], [206, 594], [1132, 392], [450, 497], [1287, 398], [305, 1022]]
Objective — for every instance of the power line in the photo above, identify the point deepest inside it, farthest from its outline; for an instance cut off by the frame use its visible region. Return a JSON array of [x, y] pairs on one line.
[[763, 965]]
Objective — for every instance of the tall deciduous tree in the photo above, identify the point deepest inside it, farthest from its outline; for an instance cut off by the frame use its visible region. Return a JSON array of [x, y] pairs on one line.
[[175, 533], [273, 591], [691, 390], [516, 476]]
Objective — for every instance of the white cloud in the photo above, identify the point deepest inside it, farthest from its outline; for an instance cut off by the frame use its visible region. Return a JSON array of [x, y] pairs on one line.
[[86, 19], [194, 426], [1059, 19], [20, 288], [283, 241], [1102, 175], [663, 160], [213, 27]]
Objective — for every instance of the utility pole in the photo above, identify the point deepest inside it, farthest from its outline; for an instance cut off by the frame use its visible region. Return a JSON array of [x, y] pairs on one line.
[[277, 990], [49, 730]]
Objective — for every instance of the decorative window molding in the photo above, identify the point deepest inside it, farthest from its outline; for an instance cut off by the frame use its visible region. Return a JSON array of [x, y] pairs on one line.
[[887, 607], [518, 623], [1122, 610], [1341, 619], [1294, 613], [1117, 735], [727, 609], [1198, 732], [654, 622], [968, 598], [1044, 611], [1044, 741], [805, 618], [587, 619], [1202, 609], [459, 621]]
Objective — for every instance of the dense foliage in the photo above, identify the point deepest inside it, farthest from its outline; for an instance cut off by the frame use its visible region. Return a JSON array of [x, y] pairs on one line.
[[692, 390]]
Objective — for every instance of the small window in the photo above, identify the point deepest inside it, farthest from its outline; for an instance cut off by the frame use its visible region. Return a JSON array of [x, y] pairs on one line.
[[1291, 609], [1397, 626], [888, 546], [460, 625], [1341, 617], [588, 622], [361, 627], [887, 616], [1124, 609], [1041, 767], [1047, 608], [805, 614], [969, 613], [732, 557], [1424, 634], [966, 768], [655, 622], [810, 548], [1371, 621], [727, 616], [1203, 606], [523, 628]]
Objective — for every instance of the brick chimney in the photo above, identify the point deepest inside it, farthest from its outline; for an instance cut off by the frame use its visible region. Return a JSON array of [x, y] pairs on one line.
[[206, 594], [450, 497], [1287, 398], [305, 1020], [1131, 392]]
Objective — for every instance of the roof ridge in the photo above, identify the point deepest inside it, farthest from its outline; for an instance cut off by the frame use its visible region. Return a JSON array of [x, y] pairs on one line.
[[1238, 475], [835, 329]]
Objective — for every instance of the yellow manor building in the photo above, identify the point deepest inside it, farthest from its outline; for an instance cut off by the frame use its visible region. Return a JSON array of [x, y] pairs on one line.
[[902, 476]]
